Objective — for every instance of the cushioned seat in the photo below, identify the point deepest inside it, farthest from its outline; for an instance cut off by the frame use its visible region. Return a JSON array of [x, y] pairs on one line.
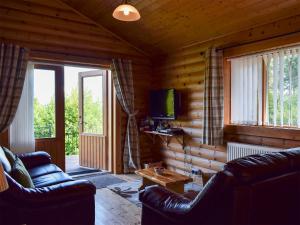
[[56, 198], [43, 169], [51, 179]]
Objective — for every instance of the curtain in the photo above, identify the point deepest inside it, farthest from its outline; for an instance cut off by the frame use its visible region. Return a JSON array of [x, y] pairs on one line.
[[123, 82], [213, 98], [246, 90], [13, 62], [283, 87], [21, 129]]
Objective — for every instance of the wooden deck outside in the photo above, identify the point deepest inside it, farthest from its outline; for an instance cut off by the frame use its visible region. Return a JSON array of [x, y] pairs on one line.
[[72, 163]]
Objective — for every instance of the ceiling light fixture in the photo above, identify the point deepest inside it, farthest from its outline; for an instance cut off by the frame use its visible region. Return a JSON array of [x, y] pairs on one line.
[[126, 12]]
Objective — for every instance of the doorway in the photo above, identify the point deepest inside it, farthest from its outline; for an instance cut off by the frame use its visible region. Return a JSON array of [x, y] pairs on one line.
[[93, 119], [75, 118], [85, 120]]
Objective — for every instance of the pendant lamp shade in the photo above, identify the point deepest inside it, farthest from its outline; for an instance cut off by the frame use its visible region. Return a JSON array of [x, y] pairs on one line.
[[3, 181], [126, 12]]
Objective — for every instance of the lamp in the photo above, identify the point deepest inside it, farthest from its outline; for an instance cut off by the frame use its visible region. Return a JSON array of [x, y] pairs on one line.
[[3, 181], [126, 12]]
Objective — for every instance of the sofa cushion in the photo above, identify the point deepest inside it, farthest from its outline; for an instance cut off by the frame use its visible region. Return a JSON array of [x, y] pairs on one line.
[[5, 162], [51, 179], [294, 156], [43, 170], [20, 174]]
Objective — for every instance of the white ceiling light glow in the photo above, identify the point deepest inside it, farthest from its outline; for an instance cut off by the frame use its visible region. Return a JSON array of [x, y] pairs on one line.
[[126, 12]]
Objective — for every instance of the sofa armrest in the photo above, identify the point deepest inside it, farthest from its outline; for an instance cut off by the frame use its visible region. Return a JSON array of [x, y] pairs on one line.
[[165, 202], [55, 194], [33, 159]]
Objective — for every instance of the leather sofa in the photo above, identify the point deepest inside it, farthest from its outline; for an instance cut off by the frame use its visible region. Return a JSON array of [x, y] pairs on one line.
[[57, 199], [258, 189]]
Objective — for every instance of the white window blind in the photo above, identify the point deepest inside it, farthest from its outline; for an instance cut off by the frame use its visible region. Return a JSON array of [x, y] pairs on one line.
[[246, 90], [283, 92]]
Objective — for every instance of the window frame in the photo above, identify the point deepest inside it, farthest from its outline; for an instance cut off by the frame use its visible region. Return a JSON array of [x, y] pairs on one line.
[[227, 94], [289, 133], [104, 74], [59, 99]]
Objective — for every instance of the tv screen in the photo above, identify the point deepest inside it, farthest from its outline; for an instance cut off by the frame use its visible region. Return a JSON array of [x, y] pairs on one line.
[[163, 104]]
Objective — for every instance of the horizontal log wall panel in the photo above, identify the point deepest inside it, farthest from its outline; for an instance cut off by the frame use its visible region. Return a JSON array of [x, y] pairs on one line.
[[32, 27], [45, 10], [179, 165], [56, 23], [59, 41], [275, 137], [197, 152]]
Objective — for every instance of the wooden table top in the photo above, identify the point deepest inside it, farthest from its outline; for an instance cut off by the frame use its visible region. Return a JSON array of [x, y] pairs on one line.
[[169, 177]]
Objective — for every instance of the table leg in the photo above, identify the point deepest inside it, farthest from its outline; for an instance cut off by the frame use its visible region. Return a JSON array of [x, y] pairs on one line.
[[146, 182]]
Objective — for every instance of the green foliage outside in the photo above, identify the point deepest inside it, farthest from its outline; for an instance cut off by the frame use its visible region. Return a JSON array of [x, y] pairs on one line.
[[92, 114], [290, 87], [44, 119], [71, 123]]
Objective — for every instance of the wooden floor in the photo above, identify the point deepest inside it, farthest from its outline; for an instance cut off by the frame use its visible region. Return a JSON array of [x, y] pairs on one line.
[[111, 209]]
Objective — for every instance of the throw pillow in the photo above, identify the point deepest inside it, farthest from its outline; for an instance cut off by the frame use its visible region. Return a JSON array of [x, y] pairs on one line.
[[3, 159], [11, 157], [20, 174]]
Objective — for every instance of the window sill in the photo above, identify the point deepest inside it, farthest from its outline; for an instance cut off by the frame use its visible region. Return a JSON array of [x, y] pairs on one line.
[[264, 131], [45, 139]]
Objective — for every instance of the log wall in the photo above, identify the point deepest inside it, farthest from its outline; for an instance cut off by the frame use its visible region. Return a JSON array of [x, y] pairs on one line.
[[184, 71]]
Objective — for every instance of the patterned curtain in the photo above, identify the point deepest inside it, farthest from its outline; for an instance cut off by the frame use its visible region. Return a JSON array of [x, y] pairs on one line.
[[13, 63], [123, 82], [213, 98]]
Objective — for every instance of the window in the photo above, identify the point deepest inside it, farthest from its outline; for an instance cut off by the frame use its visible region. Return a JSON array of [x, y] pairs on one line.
[[93, 104], [265, 89], [44, 103]]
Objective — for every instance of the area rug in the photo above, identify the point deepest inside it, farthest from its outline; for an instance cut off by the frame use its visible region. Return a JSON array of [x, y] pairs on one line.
[[82, 171], [101, 180], [129, 190]]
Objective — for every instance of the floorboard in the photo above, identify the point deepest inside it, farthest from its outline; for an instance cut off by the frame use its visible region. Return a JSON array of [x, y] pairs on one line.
[[112, 209]]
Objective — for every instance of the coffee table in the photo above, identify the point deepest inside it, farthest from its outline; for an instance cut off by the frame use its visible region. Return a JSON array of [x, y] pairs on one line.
[[169, 179]]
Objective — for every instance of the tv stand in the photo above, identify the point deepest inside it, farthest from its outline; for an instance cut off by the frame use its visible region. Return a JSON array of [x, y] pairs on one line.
[[165, 137]]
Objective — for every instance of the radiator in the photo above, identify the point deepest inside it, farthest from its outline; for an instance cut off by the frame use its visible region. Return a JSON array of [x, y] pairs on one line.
[[238, 150]]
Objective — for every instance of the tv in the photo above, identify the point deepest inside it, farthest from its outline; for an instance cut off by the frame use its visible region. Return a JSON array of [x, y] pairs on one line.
[[164, 104]]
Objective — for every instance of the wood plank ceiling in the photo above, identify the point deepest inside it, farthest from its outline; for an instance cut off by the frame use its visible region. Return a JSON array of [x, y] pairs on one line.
[[169, 24]]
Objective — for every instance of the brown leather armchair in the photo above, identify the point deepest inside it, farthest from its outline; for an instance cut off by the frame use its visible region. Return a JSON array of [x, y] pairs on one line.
[[257, 189]]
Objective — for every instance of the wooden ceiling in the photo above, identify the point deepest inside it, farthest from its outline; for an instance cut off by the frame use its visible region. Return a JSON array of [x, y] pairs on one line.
[[170, 24]]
